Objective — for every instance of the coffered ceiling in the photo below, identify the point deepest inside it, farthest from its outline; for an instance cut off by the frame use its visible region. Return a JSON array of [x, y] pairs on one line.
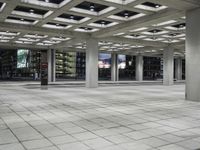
[[129, 26]]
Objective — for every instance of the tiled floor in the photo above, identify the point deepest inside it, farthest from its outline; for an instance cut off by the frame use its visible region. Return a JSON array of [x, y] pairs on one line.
[[107, 118]]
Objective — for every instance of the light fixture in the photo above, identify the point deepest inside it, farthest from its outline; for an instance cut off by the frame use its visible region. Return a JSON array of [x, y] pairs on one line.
[[174, 34], [126, 15], [92, 7], [181, 26], [157, 6], [71, 17], [103, 23], [31, 11], [154, 38]]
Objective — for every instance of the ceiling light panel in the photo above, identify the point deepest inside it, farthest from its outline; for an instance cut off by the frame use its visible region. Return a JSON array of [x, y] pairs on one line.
[[23, 42], [60, 39], [51, 42], [56, 25], [118, 34], [44, 44], [174, 35], [19, 20], [52, 1], [135, 36], [154, 39], [165, 23], [171, 41], [30, 10], [35, 36], [29, 39], [47, 3], [123, 2], [6, 37], [92, 8], [126, 15], [155, 32], [102, 24], [69, 18], [8, 33], [180, 26], [149, 6], [86, 29], [4, 41]]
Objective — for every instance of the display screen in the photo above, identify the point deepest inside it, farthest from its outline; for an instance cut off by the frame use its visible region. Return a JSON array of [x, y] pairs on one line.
[[104, 60], [22, 58], [121, 61]]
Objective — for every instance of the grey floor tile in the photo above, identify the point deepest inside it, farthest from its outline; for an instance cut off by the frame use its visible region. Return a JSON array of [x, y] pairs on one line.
[[145, 117], [13, 146], [6, 137], [36, 144]]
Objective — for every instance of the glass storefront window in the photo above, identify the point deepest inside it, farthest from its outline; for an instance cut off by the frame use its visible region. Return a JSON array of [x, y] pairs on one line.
[[104, 65], [126, 66]]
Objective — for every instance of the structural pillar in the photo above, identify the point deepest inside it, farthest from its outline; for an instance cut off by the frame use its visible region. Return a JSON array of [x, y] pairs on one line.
[[178, 68], [193, 55], [51, 65], [114, 67], [44, 68], [139, 68], [92, 55], [168, 66]]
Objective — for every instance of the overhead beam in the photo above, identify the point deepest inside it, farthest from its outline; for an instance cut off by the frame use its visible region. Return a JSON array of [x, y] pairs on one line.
[[10, 6]]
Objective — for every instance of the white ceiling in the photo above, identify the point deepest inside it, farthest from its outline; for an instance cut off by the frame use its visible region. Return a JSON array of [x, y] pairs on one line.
[[125, 26]]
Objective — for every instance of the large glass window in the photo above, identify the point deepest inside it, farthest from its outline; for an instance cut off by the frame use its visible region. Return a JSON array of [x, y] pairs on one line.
[[104, 66], [22, 58], [126, 65], [183, 69], [152, 68], [70, 65]]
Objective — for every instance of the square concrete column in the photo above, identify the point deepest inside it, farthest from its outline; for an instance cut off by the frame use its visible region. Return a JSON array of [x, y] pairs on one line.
[[51, 65], [178, 68], [193, 55], [168, 66], [139, 68], [92, 57], [114, 67]]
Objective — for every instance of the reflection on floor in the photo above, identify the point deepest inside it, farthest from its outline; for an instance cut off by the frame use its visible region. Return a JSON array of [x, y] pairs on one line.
[[146, 117]]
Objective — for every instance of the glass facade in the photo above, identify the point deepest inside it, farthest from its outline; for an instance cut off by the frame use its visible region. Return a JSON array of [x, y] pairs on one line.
[[104, 65], [126, 66], [183, 69], [25, 64], [70, 65], [152, 68]]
